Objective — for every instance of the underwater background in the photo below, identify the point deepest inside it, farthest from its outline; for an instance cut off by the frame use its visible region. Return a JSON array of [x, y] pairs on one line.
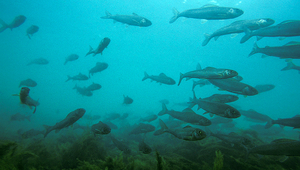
[[70, 27]]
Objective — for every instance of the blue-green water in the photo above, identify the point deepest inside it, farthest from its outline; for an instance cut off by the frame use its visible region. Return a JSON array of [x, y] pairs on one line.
[[67, 27]]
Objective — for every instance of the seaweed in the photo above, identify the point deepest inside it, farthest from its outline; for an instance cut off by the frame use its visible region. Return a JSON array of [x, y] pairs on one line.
[[159, 161], [218, 162]]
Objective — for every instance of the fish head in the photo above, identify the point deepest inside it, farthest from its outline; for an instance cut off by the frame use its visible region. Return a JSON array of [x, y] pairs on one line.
[[235, 12], [229, 73], [105, 40], [24, 91], [205, 122], [198, 134], [105, 130], [249, 91], [145, 22], [264, 22], [231, 112], [171, 81], [79, 113]]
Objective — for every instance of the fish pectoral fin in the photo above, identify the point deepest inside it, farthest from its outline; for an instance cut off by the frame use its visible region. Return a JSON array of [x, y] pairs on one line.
[[234, 35]]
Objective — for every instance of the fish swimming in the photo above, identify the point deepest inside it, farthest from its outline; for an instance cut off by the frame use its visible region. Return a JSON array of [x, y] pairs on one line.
[[208, 12], [149, 118], [93, 87], [38, 61], [161, 78], [31, 30], [252, 114], [222, 98], [100, 128], [238, 27], [28, 83], [201, 83], [144, 148], [287, 28], [102, 45], [133, 19], [71, 118], [290, 50], [31, 133], [291, 66], [142, 128], [127, 100], [234, 86], [187, 133], [71, 57], [98, 68], [217, 108], [291, 122], [78, 77], [120, 145], [187, 115], [83, 91], [26, 99], [208, 73], [19, 117], [18, 20]]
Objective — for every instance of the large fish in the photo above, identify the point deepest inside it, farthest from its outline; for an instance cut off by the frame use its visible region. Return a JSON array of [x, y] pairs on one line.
[[217, 108], [100, 128], [238, 27], [291, 122], [187, 115], [102, 45], [31, 30], [284, 147], [208, 73], [289, 50], [187, 133], [291, 66], [28, 83], [234, 86], [18, 20], [100, 66], [209, 12], [26, 99], [133, 19], [71, 118], [161, 78], [254, 115], [287, 28]]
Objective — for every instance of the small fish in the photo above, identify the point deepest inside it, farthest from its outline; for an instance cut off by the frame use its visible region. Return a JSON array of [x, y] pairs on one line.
[[31, 133], [18, 20], [19, 117], [31, 30], [112, 116], [26, 99], [38, 61], [142, 128], [102, 45], [133, 19], [83, 91], [144, 148], [100, 128], [291, 122], [291, 66], [28, 83], [149, 118], [71, 118], [98, 68], [252, 114], [161, 78], [187, 133], [93, 87], [124, 116], [127, 100], [120, 145], [71, 57], [78, 77]]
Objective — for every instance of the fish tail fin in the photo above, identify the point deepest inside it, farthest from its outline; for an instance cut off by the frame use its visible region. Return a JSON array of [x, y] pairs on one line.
[[269, 124], [90, 51], [146, 76], [176, 14], [4, 26], [48, 130], [34, 109], [247, 36], [254, 50], [28, 36], [65, 62], [207, 39], [108, 15], [180, 79], [69, 78], [290, 65], [164, 110], [163, 129]]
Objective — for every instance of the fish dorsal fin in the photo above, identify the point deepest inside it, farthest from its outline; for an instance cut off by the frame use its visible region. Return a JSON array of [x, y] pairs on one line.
[[162, 75], [283, 140], [287, 21], [135, 14], [296, 116], [198, 67], [188, 110], [188, 126], [209, 5], [292, 43]]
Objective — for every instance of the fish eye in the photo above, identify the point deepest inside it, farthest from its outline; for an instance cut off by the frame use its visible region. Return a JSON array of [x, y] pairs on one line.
[[231, 10]]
